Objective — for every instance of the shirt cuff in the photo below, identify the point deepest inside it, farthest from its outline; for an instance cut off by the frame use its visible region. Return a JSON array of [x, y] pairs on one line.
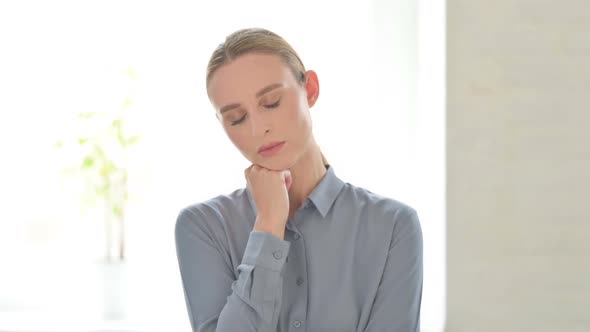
[[266, 250]]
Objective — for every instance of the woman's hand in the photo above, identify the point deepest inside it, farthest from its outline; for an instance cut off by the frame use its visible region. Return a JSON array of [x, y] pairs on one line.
[[270, 191]]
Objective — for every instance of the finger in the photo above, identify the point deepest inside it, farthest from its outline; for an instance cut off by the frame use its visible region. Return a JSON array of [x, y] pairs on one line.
[[287, 177], [289, 183]]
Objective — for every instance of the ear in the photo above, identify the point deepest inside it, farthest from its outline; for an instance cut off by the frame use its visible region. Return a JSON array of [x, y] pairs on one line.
[[312, 87]]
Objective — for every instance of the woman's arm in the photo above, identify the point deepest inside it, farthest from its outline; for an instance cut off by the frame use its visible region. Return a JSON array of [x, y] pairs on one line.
[[215, 300], [399, 296]]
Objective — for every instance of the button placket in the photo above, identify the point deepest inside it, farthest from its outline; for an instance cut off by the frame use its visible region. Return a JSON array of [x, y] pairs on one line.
[[296, 277]]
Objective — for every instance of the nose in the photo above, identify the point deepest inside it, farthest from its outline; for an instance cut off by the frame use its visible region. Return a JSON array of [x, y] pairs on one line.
[[259, 124]]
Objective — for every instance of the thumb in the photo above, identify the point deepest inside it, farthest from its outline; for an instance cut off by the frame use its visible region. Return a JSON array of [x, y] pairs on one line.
[[288, 179]]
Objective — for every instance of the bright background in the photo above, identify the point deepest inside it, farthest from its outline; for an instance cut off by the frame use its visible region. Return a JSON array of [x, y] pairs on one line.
[[379, 121]]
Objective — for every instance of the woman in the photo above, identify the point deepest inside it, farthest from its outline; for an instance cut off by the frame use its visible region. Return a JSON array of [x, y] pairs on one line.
[[297, 249]]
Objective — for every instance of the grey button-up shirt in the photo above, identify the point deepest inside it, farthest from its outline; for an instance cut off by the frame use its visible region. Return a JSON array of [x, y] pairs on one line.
[[351, 260]]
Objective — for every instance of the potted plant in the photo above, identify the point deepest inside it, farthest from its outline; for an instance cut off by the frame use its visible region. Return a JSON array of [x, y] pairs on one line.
[[102, 145]]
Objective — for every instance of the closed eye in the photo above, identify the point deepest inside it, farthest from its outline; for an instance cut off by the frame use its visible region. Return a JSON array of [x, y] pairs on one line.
[[233, 123], [273, 105]]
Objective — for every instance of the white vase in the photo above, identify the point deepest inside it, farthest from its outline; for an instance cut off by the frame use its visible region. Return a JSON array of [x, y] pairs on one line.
[[113, 292]]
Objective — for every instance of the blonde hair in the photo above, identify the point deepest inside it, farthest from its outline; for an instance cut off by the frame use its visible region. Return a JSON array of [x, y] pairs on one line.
[[257, 40]]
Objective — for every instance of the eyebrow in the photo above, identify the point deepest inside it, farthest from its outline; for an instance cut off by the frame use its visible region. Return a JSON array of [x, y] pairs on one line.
[[258, 94]]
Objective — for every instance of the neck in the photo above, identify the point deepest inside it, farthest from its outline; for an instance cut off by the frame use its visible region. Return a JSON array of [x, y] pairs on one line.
[[306, 174]]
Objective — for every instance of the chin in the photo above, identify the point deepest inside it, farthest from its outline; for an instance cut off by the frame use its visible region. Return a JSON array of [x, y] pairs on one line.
[[277, 163], [274, 165]]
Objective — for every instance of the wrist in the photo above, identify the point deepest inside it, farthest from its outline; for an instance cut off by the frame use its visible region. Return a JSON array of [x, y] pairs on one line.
[[264, 225]]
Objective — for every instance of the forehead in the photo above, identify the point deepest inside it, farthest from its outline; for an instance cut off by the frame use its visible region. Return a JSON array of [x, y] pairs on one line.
[[246, 75]]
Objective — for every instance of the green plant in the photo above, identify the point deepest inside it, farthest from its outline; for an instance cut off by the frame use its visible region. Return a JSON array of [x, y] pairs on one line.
[[102, 147]]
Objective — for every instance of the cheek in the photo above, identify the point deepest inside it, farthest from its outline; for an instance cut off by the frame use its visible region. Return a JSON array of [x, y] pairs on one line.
[[234, 138], [295, 113], [237, 138], [298, 118]]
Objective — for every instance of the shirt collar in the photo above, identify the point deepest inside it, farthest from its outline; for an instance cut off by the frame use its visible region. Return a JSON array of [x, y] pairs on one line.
[[322, 196]]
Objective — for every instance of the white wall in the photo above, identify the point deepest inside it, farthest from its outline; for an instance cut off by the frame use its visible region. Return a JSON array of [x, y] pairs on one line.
[[518, 166]]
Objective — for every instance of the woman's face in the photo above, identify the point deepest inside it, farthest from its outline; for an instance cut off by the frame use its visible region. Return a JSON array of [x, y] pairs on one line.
[[259, 101]]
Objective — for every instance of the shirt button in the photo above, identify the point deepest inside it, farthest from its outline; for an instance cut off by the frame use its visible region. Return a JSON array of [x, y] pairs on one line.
[[296, 236], [299, 281], [297, 323], [277, 254]]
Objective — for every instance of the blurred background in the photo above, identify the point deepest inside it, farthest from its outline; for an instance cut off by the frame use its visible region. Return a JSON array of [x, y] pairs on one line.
[[474, 113]]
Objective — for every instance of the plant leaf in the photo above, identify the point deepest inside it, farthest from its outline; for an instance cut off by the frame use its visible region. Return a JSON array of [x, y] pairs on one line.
[[86, 115], [133, 139], [88, 162], [84, 140], [117, 211]]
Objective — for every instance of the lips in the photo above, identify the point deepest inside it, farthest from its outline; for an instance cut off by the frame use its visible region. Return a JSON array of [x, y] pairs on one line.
[[269, 146]]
